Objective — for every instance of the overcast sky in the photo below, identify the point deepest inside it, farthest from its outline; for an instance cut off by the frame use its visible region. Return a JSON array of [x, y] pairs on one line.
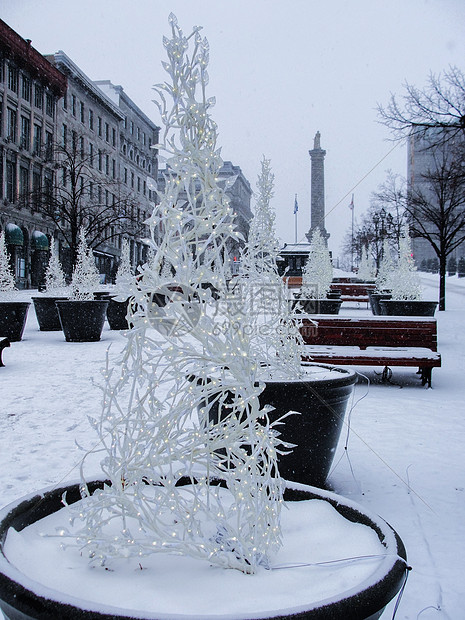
[[280, 72]]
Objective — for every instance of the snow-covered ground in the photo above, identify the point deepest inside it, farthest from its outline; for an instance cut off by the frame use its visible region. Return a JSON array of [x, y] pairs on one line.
[[404, 457]]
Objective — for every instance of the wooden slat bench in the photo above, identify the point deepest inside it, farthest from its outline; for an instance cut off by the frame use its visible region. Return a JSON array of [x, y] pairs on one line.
[[353, 291], [4, 342], [373, 341]]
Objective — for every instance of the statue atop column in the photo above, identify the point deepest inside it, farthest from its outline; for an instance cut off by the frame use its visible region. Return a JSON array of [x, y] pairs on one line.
[[317, 207]]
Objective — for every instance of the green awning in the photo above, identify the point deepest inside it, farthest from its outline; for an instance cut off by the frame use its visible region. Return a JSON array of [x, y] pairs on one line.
[[39, 241], [14, 235]]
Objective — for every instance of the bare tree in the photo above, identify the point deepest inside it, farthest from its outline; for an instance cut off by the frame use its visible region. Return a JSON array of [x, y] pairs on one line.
[[440, 104], [436, 207], [82, 194]]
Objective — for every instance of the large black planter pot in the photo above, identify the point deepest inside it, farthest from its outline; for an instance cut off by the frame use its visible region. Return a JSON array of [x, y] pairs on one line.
[[408, 307], [82, 321], [13, 315], [321, 404], [375, 301], [318, 306], [21, 598], [116, 314], [47, 313]]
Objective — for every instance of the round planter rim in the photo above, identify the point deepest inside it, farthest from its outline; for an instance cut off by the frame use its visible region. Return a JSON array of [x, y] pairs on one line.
[[391, 564]]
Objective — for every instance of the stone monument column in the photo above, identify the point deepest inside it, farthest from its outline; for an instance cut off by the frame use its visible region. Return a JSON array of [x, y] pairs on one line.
[[317, 210]]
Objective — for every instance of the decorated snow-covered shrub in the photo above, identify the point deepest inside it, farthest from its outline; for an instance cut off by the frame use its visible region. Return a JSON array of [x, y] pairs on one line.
[[86, 277], [405, 281], [7, 280], [317, 273], [55, 283], [181, 358]]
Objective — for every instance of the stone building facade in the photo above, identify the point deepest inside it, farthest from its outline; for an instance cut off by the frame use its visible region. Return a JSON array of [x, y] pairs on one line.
[[30, 89], [138, 161]]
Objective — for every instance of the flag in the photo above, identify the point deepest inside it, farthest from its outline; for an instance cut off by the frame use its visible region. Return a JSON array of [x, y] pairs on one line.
[[296, 206], [351, 206]]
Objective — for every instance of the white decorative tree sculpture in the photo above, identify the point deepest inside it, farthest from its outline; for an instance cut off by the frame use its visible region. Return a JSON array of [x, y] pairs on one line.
[[366, 271], [384, 279], [184, 364], [124, 272], [405, 282], [318, 271], [85, 278], [55, 283], [264, 309], [7, 280]]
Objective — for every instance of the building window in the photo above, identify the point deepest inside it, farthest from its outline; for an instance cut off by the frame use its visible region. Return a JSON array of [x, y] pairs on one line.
[[100, 160], [13, 78], [99, 127], [36, 189], [107, 132], [74, 141], [23, 185], [107, 164], [65, 101], [48, 187], [113, 168], [91, 154], [49, 105], [81, 112], [81, 147], [113, 136], [48, 145], [145, 188], [138, 184], [73, 105], [25, 140], [126, 176], [10, 181], [37, 141], [132, 180], [107, 197], [132, 127], [39, 96], [144, 138], [138, 133], [125, 122], [91, 189], [64, 136], [91, 119], [64, 176], [11, 125], [26, 88]]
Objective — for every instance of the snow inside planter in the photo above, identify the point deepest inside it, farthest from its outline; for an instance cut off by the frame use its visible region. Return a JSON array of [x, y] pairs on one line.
[[13, 315], [337, 561]]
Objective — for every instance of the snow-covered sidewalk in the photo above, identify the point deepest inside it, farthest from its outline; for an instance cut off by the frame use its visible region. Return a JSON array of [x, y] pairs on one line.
[[404, 457]]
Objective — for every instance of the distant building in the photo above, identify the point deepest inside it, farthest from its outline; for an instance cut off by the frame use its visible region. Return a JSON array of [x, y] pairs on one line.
[[239, 194], [30, 89], [423, 156], [138, 161]]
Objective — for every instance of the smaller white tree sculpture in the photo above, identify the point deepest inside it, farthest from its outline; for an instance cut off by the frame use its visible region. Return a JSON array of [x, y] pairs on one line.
[[386, 268], [366, 270], [55, 283], [318, 271], [405, 282], [85, 275], [124, 273], [265, 311], [7, 280]]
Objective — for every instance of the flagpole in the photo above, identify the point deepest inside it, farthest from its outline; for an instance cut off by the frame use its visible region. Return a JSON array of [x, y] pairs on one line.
[[352, 244], [296, 208]]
